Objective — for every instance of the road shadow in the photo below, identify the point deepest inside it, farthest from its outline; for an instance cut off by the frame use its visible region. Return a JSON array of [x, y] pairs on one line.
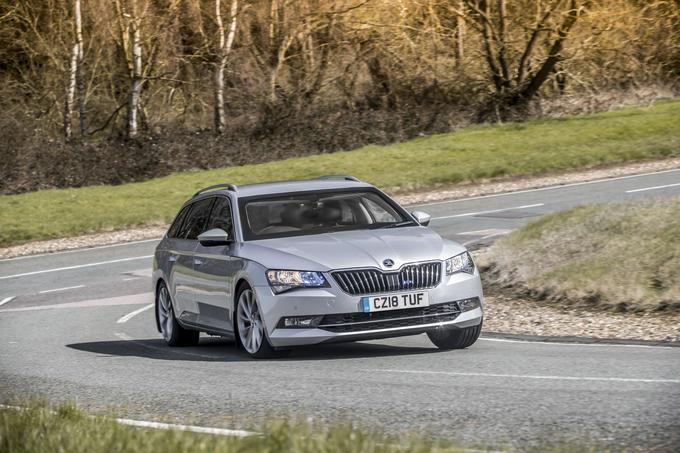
[[222, 350]]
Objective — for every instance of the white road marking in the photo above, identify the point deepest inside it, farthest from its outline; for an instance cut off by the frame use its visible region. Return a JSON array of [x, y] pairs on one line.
[[470, 214], [574, 343], [65, 288], [79, 266], [644, 189], [130, 278], [191, 428], [143, 298], [484, 232], [539, 189], [533, 376], [131, 315], [483, 238], [81, 249], [6, 300], [168, 426]]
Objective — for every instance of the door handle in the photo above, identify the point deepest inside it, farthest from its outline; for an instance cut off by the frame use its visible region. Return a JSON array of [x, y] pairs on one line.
[[172, 258], [199, 262]]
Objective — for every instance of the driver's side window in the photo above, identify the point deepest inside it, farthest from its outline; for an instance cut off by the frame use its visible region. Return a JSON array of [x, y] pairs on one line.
[[220, 217], [197, 219]]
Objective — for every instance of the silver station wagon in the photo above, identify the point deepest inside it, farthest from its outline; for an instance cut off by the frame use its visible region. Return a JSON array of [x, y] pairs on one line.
[[284, 264]]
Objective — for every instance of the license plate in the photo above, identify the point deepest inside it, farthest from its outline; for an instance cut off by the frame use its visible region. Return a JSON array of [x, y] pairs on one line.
[[394, 302]]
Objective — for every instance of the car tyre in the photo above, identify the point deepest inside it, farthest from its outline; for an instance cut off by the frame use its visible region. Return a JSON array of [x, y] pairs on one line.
[[455, 337], [173, 333], [250, 329]]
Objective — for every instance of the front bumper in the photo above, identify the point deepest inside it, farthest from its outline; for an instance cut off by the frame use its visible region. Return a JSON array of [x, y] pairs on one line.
[[332, 303]]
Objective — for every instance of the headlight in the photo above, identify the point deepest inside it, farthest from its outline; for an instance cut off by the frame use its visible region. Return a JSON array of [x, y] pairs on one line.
[[460, 263], [281, 281]]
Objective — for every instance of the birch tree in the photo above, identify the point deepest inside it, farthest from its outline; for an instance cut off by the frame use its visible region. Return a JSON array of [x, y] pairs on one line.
[[131, 47], [136, 73], [225, 41], [80, 72], [70, 94], [75, 78]]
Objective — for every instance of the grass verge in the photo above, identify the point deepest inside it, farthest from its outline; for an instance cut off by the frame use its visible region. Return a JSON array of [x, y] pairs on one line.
[[621, 256], [39, 429], [480, 152]]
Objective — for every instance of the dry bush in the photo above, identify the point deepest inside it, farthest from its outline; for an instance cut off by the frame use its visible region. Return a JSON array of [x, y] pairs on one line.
[[621, 256]]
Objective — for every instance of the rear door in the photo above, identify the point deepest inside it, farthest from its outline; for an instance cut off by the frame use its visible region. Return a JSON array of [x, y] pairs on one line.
[[215, 270]]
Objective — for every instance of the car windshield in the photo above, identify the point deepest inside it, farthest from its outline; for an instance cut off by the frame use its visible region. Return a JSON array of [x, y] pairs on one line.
[[266, 217]]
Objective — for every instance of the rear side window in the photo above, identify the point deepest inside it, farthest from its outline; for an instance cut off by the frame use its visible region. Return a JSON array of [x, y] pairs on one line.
[[220, 217], [177, 224], [196, 219]]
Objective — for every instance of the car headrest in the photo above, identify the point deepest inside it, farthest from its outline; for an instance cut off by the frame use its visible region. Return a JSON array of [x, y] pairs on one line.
[[292, 215], [332, 213]]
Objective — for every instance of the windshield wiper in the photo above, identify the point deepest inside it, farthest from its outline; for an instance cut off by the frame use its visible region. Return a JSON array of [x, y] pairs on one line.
[[398, 224]]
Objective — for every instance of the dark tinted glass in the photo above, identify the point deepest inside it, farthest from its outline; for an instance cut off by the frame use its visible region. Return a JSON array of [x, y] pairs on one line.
[[177, 224], [197, 219], [220, 217]]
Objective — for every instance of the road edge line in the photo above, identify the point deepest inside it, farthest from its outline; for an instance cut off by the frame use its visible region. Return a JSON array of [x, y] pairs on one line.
[[166, 426], [575, 341]]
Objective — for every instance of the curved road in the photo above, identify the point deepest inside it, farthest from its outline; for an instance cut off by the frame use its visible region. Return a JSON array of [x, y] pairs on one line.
[[77, 326]]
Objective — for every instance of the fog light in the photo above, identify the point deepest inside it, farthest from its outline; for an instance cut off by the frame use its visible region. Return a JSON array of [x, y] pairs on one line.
[[300, 322], [468, 304]]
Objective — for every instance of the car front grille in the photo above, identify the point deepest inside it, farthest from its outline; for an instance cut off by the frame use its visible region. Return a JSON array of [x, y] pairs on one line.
[[357, 322], [373, 281]]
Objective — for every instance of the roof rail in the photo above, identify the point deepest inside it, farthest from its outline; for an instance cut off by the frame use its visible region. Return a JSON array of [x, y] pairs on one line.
[[340, 177], [227, 186]]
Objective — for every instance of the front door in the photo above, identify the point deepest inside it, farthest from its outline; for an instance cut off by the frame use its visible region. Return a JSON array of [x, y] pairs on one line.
[[215, 270], [185, 281]]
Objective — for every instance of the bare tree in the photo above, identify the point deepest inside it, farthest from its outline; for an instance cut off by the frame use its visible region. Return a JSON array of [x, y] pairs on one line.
[[80, 75], [69, 97], [225, 39], [75, 78], [555, 55], [175, 64], [136, 73], [460, 34], [510, 59], [131, 46]]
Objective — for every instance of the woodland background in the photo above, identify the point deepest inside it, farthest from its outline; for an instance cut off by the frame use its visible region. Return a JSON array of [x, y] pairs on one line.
[[109, 91]]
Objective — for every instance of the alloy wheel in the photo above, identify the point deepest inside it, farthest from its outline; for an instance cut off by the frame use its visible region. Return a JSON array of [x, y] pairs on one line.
[[250, 326], [165, 314]]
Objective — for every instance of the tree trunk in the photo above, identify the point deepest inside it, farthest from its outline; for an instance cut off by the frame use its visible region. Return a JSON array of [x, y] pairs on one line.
[[136, 76], [531, 43], [225, 43], [80, 76], [502, 43], [70, 93], [460, 35], [489, 48], [554, 55]]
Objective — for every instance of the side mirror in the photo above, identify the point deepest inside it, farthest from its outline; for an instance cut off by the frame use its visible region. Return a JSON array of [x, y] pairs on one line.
[[421, 217], [214, 237]]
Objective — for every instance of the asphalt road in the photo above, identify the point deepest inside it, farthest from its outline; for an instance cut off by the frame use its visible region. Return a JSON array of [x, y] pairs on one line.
[[76, 326]]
